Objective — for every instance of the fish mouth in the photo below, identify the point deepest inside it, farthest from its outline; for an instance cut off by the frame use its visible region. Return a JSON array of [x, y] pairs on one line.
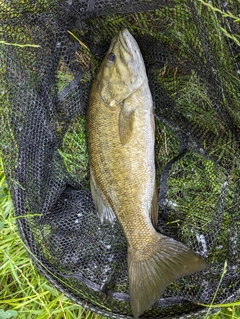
[[125, 38]]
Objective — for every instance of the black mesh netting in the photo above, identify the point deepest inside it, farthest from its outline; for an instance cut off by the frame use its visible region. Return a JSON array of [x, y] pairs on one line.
[[192, 55]]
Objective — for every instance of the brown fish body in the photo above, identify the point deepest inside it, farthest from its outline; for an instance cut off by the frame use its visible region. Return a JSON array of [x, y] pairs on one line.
[[120, 126], [124, 173]]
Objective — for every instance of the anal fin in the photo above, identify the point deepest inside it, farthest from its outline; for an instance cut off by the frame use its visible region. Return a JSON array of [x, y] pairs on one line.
[[104, 210]]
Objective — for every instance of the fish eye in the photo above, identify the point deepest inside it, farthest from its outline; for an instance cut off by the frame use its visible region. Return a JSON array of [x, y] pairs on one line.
[[111, 57]]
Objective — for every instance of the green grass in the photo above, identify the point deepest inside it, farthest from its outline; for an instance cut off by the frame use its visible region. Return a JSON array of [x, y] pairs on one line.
[[24, 293]]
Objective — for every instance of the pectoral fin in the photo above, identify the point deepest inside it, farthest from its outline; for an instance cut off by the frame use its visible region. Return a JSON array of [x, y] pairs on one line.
[[104, 210], [126, 120]]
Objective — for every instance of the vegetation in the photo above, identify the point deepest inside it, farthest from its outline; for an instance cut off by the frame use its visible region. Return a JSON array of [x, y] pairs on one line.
[[25, 294]]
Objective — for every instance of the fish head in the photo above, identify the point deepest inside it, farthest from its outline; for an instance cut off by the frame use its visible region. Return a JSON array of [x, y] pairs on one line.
[[122, 71]]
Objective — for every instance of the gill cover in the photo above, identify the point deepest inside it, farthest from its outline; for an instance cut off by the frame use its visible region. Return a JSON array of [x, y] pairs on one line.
[[122, 71]]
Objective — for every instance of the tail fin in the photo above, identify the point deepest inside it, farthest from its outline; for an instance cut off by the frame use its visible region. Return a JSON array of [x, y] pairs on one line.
[[151, 269]]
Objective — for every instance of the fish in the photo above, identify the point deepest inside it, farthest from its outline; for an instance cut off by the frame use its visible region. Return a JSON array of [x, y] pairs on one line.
[[120, 139]]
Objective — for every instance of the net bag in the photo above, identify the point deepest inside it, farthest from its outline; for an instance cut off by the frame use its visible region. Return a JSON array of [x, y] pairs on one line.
[[50, 52]]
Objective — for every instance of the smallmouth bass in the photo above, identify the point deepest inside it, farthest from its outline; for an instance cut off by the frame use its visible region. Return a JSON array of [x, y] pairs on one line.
[[120, 135]]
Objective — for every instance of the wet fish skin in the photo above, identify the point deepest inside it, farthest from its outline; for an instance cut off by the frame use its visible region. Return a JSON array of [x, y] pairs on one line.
[[120, 130]]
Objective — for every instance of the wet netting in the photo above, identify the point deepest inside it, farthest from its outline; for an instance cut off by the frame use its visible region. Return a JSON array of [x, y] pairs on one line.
[[50, 52]]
